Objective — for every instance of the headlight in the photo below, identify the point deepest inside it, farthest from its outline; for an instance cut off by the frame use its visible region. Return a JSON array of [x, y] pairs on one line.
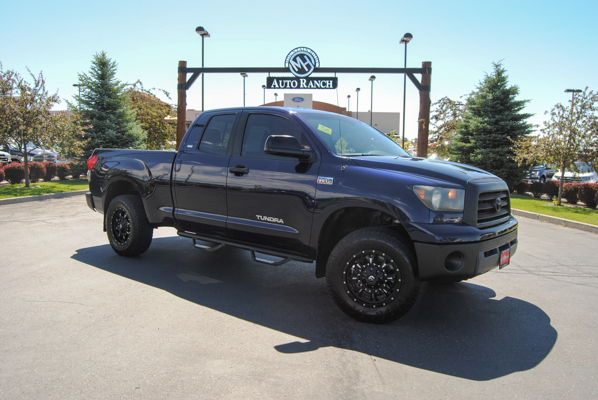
[[534, 173], [440, 199]]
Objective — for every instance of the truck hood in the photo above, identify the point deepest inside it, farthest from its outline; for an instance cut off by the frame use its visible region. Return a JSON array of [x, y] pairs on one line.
[[427, 168]]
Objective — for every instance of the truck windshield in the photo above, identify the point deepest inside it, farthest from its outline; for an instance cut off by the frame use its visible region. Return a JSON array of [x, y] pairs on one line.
[[349, 137]]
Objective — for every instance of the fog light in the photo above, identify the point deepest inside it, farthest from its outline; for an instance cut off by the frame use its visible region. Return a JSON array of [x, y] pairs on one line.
[[454, 261]]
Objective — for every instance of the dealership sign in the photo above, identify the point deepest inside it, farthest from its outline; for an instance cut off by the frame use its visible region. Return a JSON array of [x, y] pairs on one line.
[[301, 83], [302, 62]]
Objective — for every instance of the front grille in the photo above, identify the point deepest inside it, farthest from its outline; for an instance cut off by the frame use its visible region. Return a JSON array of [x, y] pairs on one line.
[[44, 157], [490, 213]]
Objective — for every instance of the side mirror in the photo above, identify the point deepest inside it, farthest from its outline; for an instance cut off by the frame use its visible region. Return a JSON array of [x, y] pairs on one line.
[[288, 146]]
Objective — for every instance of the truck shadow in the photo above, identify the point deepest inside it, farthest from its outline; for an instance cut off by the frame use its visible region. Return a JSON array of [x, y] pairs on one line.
[[458, 330]]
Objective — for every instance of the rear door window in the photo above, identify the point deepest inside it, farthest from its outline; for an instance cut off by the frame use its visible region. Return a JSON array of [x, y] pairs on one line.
[[216, 136]]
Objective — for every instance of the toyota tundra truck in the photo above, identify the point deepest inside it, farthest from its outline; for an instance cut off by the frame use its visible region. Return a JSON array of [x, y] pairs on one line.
[[306, 185]]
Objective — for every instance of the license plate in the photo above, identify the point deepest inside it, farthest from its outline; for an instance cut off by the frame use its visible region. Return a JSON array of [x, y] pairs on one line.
[[505, 258]]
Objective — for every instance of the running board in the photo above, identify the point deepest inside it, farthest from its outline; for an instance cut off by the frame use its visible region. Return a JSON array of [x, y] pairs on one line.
[[211, 245], [274, 263]]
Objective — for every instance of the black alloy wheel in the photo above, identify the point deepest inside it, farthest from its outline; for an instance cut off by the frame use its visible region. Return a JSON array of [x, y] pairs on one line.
[[121, 225], [128, 229], [371, 275]]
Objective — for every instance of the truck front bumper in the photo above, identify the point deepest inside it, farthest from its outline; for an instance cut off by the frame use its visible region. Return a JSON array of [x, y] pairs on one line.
[[458, 261]]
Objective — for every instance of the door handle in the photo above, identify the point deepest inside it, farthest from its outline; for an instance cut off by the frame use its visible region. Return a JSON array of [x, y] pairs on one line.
[[177, 165], [239, 170]]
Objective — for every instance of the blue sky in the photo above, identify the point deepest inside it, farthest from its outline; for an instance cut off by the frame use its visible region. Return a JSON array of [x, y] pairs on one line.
[[545, 46]]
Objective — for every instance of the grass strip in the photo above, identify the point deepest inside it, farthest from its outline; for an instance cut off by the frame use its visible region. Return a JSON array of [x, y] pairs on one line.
[[546, 207], [19, 190]]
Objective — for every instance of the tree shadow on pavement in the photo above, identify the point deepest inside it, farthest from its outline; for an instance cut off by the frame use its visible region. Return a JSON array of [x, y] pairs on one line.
[[456, 329]]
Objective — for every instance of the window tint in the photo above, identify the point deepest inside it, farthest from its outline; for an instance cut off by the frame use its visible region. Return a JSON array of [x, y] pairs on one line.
[[193, 137], [217, 134], [257, 130]]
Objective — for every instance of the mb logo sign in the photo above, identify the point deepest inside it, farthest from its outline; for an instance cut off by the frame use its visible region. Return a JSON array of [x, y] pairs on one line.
[[302, 62]]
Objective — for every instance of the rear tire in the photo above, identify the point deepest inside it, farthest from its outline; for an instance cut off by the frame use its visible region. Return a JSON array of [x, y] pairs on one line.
[[128, 229], [371, 276]]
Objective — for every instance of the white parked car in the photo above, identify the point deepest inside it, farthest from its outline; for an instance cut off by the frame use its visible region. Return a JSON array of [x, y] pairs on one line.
[[584, 173], [4, 157], [40, 154]]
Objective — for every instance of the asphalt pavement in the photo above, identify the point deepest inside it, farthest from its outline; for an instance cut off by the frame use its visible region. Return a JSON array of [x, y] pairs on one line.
[[78, 321]]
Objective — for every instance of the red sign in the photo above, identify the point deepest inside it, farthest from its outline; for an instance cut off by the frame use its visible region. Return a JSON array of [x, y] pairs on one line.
[[505, 258]]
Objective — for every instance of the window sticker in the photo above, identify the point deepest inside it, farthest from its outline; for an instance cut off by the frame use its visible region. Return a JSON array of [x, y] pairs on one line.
[[325, 129], [341, 146]]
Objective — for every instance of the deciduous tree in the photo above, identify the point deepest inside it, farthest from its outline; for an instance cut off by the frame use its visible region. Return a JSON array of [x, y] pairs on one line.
[[24, 112], [570, 134], [152, 115], [65, 133], [447, 114]]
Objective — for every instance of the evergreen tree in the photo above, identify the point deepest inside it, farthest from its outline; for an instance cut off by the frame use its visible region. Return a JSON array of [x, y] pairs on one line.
[[105, 109], [492, 123]]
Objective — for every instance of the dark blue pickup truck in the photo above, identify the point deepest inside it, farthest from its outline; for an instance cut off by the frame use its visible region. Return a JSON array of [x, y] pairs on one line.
[[294, 184]]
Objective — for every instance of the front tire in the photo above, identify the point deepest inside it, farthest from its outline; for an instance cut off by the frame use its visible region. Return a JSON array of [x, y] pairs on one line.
[[128, 229], [371, 276]]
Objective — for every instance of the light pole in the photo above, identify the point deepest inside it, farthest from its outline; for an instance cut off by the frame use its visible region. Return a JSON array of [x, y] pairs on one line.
[[204, 34], [264, 87], [572, 91], [276, 99], [372, 79], [406, 39], [244, 75], [348, 103], [357, 90], [79, 85]]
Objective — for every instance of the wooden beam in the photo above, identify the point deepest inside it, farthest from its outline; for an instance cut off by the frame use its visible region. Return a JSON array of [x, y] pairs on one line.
[[423, 122], [181, 111]]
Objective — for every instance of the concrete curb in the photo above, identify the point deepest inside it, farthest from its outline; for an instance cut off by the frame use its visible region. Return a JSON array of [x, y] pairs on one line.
[[25, 199], [556, 221]]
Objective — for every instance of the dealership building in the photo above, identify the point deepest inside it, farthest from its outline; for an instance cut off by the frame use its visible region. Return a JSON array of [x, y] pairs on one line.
[[383, 121]]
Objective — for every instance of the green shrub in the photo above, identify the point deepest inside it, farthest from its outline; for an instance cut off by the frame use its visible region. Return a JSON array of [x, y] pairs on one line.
[[62, 170], [78, 169], [551, 189], [587, 194], [570, 192], [522, 187], [14, 173], [37, 171], [50, 171]]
